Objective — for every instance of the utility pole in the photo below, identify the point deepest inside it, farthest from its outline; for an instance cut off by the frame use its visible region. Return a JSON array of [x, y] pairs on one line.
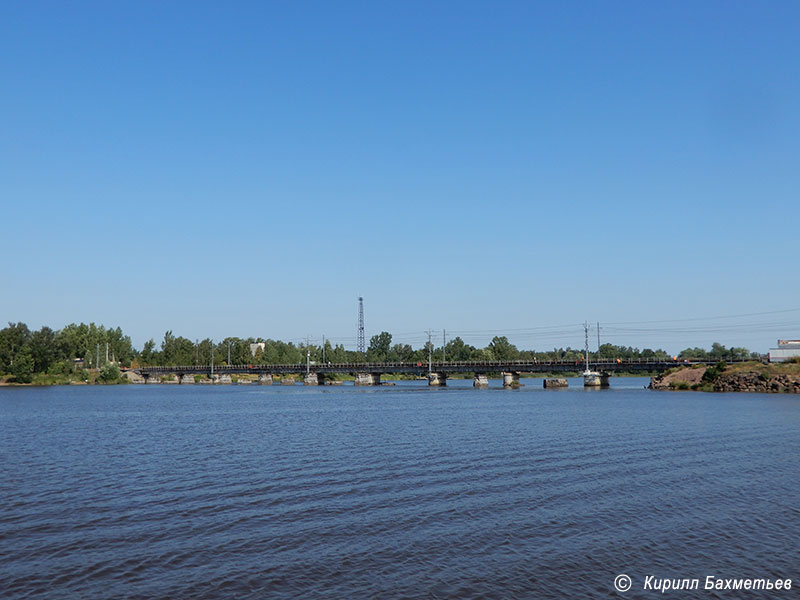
[[323, 349], [106, 352], [430, 352], [212, 359], [586, 332], [308, 356], [229, 353], [97, 357], [444, 343]]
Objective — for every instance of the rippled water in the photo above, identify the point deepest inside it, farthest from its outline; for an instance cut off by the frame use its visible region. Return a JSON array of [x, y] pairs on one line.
[[404, 492]]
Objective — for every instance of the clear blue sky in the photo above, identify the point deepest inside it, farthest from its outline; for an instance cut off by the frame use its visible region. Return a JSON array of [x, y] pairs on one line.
[[251, 168]]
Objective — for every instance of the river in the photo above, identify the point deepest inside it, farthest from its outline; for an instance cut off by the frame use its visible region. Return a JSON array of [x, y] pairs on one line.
[[395, 492]]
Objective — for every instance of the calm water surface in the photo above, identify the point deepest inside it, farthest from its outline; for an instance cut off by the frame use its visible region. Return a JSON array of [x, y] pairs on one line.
[[405, 492]]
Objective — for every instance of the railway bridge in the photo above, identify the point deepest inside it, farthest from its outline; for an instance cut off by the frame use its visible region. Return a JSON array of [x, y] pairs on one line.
[[435, 372]]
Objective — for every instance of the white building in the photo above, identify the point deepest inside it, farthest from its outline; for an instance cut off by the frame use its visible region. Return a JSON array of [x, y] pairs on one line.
[[256, 347], [786, 350]]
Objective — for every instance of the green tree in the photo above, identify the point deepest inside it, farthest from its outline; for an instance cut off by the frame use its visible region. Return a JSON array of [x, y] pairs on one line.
[[502, 349], [457, 350], [149, 355], [43, 348], [379, 346], [400, 353], [179, 351], [338, 354], [22, 367], [12, 340]]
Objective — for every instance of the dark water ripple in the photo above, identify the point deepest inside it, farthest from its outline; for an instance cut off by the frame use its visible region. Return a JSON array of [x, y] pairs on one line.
[[196, 492]]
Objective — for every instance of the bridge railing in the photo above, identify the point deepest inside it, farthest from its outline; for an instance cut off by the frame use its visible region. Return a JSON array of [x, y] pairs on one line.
[[502, 365]]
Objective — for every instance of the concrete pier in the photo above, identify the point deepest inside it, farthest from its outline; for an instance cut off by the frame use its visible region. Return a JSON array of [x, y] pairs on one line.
[[265, 379], [595, 380], [226, 379], [287, 380], [314, 379], [511, 380], [437, 379], [481, 380], [558, 382], [187, 378], [367, 379]]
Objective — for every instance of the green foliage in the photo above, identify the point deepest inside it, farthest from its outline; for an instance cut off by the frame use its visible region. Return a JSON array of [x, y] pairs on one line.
[[458, 351], [12, 339], [713, 373], [717, 352], [379, 346], [502, 349], [53, 352], [84, 341], [612, 352], [22, 367], [703, 387], [61, 367], [110, 373]]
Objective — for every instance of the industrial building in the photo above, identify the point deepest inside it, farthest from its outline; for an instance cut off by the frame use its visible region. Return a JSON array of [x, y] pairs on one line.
[[786, 350]]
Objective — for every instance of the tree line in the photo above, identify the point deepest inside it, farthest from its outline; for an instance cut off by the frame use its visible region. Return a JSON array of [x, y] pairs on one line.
[[25, 353]]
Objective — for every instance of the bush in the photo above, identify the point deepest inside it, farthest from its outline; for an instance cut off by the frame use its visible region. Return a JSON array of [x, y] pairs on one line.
[[713, 373], [62, 367], [109, 373]]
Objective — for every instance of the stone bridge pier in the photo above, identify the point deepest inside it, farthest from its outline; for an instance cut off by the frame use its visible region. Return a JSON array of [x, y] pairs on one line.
[[481, 381], [511, 380], [367, 379], [314, 379], [437, 379], [265, 379]]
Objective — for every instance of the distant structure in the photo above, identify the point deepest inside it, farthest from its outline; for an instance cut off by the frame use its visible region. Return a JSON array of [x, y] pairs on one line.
[[361, 344], [786, 350], [254, 348]]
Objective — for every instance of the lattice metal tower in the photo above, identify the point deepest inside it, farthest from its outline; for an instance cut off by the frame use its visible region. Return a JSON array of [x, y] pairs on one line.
[[361, 342]]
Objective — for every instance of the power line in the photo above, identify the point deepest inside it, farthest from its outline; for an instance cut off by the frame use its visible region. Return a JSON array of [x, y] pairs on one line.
[[756, 314]]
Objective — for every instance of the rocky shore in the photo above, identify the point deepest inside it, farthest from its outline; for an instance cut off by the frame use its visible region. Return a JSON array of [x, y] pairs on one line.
[[754, 378], [757, 382]]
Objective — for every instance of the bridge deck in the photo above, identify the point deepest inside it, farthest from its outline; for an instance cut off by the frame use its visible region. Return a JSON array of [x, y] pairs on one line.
[[558, 366]]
